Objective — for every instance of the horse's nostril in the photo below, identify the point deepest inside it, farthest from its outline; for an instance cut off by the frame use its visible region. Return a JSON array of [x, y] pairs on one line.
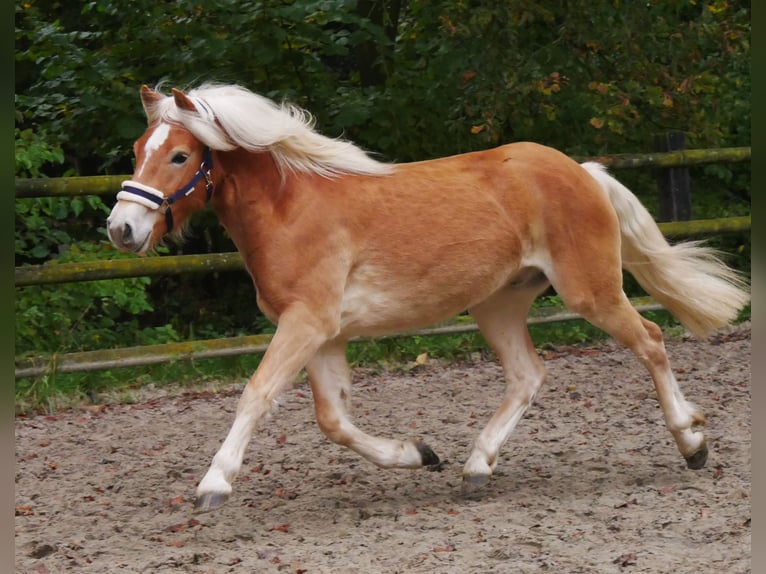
[[127, 233]]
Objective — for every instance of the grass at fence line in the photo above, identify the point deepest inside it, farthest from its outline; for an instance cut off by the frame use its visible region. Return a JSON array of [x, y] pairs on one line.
[[54, 392]]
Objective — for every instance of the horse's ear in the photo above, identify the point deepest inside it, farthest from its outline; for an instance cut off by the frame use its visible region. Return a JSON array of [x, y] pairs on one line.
[[149, 99], [183, 101]]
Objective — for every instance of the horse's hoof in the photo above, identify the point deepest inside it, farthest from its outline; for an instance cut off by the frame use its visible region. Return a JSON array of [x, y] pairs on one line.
[[210, 501], [698, 459], [474, 484], [427, 456]]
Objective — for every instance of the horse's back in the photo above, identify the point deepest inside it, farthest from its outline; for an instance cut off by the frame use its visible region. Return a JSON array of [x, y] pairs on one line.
[[501, 204]]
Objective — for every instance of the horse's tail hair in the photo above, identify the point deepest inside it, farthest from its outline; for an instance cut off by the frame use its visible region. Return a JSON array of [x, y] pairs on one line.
[[689, 279]]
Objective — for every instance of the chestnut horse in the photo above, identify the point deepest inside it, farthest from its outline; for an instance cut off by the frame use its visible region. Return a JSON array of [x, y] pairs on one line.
[[340, 245]]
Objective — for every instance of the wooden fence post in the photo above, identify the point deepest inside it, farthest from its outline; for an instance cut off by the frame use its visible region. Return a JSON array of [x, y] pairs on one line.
[[673, 182]]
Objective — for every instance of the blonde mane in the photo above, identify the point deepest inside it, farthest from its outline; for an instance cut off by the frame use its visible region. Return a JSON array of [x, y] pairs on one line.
[[231, 116]]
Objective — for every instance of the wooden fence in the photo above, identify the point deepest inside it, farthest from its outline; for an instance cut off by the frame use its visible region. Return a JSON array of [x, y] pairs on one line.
[[202, 349]]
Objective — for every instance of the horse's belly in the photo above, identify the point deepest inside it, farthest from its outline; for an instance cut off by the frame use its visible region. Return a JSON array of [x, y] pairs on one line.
[[377, 304], [371, 313]]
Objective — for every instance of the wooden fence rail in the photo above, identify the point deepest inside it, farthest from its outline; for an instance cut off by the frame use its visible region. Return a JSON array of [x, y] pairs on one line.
[[110, 184], [191, 350], [251, 344]]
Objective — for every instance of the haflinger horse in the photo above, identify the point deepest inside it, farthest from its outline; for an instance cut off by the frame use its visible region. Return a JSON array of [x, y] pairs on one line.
[[341, 245]]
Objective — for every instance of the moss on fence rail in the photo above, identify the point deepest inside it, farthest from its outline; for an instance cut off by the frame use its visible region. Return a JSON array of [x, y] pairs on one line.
[[110, 184], [69, 186], [104, 359], [122, 268], [705, 226], [689, 157]]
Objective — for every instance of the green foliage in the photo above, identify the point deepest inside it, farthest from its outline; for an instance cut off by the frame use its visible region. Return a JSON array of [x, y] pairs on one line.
[[46, 226], [33, 151]]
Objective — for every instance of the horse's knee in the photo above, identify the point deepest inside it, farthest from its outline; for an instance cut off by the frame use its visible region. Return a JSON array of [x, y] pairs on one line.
[[653, 330], [583, 304]]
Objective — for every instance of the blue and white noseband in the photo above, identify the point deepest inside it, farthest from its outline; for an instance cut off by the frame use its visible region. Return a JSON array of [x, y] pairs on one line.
[[153, 198]]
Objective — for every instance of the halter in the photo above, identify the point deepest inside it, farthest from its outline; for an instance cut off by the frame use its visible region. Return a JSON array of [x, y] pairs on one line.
[[153, 198]]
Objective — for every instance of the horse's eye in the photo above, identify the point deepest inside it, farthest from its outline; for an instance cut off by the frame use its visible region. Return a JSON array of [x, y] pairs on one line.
[[179, 158]]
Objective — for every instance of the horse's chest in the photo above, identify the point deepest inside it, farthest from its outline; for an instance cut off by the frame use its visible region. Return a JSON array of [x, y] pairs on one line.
[[266, 307]]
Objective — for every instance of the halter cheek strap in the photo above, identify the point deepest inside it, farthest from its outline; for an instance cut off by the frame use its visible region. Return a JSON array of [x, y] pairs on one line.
[[153, 198]]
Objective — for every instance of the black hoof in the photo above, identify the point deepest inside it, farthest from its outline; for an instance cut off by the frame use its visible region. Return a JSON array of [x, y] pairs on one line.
[[210, 501], [474, 484], [427, 456], [698, 459]]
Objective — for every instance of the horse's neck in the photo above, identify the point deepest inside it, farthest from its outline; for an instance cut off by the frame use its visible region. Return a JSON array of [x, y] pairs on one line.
[[251, 188], [242, 178]]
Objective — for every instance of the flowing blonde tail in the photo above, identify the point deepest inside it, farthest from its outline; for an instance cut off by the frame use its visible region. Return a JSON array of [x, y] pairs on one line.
[[688, 279]]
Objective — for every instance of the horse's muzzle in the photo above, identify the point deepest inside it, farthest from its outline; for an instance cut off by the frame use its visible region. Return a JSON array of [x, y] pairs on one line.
[[126, 233]]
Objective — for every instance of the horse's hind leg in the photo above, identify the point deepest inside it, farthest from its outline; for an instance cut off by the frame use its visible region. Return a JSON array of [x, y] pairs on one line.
[[330, 380], [502, 321], [608, 308]]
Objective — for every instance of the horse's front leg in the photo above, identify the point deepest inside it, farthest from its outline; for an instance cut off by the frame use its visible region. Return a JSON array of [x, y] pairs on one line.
[[330, 381], [298, 336]]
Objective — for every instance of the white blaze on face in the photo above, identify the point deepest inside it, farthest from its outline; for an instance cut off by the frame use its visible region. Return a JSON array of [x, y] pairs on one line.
[[131, 223], [155, 141]]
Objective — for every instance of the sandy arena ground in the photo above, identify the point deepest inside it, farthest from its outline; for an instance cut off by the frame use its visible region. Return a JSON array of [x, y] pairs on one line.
[[590, 482]]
